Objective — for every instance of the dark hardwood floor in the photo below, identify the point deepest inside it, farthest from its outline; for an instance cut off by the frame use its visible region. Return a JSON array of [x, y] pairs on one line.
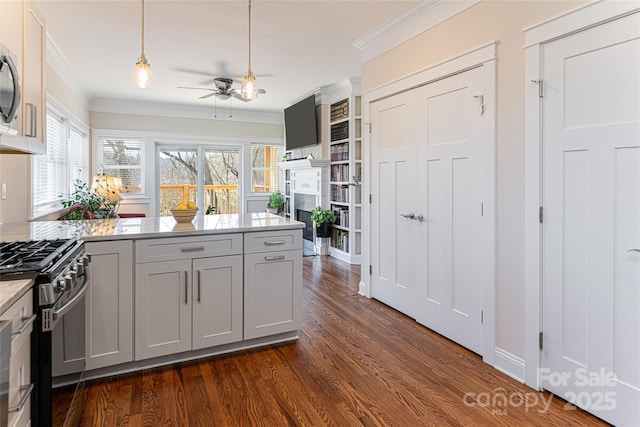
[[357, 363]]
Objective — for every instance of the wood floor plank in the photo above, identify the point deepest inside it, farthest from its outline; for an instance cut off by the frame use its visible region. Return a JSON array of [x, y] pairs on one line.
[[357, 362]]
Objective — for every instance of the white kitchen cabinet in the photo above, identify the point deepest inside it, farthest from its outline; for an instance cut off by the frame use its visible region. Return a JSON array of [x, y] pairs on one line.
[[217, 301], [33, 78], [23, 31], [20, 361], [190, 303], [109, 304], [272, 284], [163, 308]]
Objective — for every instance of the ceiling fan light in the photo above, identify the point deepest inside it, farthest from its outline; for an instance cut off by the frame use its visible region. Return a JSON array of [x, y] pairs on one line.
[[249, 89], [142, 76]]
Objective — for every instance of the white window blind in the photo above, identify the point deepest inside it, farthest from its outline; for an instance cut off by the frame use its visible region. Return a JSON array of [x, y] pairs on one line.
[[54, 173], [78, 156]]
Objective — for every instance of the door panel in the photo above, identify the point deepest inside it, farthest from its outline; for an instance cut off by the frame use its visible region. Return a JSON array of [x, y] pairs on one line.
[[452, 164], [393, 189], [591, 196]]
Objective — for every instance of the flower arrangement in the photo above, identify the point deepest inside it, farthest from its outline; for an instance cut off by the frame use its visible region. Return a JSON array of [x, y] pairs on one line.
[[85, 203]]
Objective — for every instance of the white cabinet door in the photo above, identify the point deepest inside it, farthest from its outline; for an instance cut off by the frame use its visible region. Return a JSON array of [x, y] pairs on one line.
[[33, 79], [217, 301], [162, 308], [109, 304], [272, 293], [591, 193]]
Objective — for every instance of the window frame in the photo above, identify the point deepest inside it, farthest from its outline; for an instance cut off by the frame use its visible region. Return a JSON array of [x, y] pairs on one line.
[[98, 159], [275, 169]]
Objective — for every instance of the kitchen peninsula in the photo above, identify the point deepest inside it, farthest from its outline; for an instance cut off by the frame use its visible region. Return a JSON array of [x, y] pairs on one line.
[[163, 292]]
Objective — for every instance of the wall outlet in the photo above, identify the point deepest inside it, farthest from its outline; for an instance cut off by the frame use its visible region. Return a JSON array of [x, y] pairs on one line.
[[4, 191]]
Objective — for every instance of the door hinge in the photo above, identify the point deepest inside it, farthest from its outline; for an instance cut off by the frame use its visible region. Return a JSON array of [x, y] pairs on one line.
[[370, 198], [370, 269], [482, 316], [540, 342], [541, 214], [540, 84], [369, 124]]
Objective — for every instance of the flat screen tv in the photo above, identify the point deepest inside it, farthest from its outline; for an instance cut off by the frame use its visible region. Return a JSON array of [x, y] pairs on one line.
[[300, 125]]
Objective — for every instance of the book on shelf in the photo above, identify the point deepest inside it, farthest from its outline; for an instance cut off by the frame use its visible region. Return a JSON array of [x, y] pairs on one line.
[[340, 131], [340, 152], [340, 239], [340, 173], [342, 215], [340, 110], [339, 193]]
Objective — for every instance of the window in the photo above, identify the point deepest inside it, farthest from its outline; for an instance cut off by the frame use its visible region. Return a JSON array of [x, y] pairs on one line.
[[67, 158], [265, 175], [124, 158]]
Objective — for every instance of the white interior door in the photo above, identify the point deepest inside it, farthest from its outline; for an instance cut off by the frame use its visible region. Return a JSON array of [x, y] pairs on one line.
[[393, 190], [591, 196], [453, 155]]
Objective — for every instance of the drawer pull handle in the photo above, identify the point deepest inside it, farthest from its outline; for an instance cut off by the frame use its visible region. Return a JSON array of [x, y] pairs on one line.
[[25, 392], [26, 322], [274, 242], [192, 249], [274, 258]]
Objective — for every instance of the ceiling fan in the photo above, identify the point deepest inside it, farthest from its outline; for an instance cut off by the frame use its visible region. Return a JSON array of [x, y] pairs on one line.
[[222, 90]]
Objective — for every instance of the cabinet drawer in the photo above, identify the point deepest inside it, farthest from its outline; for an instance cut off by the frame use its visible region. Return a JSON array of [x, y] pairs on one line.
[[19, 382], [271, 241], [20, 313], [152, 250]]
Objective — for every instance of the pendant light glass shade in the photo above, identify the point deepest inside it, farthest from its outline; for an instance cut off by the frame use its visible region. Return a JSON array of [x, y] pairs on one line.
[[142, 76], [249, 89]]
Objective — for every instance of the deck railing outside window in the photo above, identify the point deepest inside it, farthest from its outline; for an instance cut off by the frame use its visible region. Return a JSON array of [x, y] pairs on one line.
[[218, 199]]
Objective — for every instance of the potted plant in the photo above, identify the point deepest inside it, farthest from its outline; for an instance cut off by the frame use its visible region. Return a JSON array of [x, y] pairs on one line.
[[85, 203], [323, 218], [276, 202]]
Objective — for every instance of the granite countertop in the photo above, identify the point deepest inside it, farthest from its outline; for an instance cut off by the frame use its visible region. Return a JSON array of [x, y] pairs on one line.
[[141, 228], [11, 291]]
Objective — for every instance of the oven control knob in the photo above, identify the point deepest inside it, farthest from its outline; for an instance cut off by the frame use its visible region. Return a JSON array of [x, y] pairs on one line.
[[61, 286], [78, 267], [86, 259], [72, 277]]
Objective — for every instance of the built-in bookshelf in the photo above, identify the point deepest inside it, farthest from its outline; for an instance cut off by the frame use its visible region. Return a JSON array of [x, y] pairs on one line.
[[345, 189]]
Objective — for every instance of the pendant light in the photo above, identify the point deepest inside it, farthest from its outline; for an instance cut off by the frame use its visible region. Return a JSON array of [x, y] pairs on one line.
[[142, 76], [249, 89]]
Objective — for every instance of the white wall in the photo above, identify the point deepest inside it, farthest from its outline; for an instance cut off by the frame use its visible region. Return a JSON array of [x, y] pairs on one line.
[[484, 22]]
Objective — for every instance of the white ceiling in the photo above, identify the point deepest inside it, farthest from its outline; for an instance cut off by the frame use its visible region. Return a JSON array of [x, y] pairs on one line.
[[297, 45]]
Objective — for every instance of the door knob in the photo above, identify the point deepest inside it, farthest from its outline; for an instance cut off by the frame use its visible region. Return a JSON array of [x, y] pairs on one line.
[[410, 215], [420, 217], [633, 250]]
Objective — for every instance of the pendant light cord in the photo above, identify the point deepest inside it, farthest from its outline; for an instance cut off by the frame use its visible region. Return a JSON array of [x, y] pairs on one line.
[[142, 57], [249, 36]]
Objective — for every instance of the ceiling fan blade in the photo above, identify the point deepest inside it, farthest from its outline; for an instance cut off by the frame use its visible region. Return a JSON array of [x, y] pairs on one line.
[[236, 95], [262, 91], [196, 72], [196, 88], [209, 95]]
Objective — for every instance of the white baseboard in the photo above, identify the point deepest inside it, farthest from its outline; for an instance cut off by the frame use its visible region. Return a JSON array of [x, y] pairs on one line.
[[509, 364], [362, 289]]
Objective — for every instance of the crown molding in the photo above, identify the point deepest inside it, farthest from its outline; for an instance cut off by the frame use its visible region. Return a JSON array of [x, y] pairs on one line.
[[104, 105], [58, 62], [415, 20], [328, 94]]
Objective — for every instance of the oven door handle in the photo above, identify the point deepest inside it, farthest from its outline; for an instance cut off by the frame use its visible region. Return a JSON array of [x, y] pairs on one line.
[[73, 301]]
